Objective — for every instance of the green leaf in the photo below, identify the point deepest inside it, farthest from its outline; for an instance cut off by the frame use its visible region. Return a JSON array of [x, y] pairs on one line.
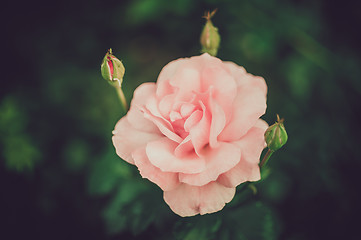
[[107, 172], [251, 221], [76, 154], [199, 227], [18, 149], [20, 154], [116, 213], [12, 118]]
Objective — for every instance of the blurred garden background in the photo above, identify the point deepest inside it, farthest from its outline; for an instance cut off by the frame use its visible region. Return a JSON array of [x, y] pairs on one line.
[[59, 175]]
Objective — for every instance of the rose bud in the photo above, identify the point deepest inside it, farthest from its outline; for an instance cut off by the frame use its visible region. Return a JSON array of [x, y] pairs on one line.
[[276, 135], [112, 69], [210, 38]]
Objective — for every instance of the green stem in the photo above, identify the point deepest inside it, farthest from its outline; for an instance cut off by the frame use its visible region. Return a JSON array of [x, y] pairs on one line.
[[122, 98], [266, 157]]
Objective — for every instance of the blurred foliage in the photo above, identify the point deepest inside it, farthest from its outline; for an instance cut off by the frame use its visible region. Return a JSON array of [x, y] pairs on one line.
[[19, 153], [60, 176]]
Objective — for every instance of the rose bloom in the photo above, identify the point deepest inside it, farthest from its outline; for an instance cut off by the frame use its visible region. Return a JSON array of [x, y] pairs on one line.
[[196, 133]]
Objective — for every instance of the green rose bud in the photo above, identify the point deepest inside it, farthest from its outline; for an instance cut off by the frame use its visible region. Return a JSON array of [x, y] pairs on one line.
[[112, 69], [210, 38], [276, 135]]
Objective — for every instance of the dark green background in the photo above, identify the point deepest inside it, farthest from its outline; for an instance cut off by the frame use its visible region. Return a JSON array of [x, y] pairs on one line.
[[59, 175]]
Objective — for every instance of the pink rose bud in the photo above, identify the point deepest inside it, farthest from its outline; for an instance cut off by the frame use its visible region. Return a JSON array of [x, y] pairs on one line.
[[276, 135], [112, 69], [210, 38]]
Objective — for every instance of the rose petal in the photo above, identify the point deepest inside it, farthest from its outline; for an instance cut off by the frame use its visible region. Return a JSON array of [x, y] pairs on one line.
[[127, 139], [164, 126], [193, 119], [236, 71], [242, 172], [152, 107], [248, 106], [143, 92], [218, 122], [187, 79], [223, 85], [247, 169], [161, 154], [135, 115], [163, 86], [218, 161], [174, 116], [262, 124], [165, 180], [138, 121], [187, 109], [184, 148], [253, 142], [205, 60], [187, 200], [244, 78], [178, 126], [166, 104], [200, 132]]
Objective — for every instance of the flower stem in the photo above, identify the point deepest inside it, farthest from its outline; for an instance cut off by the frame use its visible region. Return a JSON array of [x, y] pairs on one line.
[[266, 157], [122, 98]]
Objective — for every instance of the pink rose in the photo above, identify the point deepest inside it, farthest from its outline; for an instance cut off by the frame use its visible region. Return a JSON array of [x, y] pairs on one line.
[[196, 133]]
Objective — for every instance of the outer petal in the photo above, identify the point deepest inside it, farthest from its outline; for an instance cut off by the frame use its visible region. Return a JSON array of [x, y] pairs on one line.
[[223, 84], [247, 169], [135, 115], [242, 172], [127, 139], [188, 200], [219, 160], [253, 142], [165, 180], [244, 78], [187, 79], [237, 71], [249, 105], [161, 154], [168, 71]]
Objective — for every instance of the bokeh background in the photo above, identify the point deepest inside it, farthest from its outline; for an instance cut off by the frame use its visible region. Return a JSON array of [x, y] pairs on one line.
[[59, 175]]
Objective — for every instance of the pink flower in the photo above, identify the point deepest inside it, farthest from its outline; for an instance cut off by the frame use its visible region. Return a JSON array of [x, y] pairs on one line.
[[196, 133]]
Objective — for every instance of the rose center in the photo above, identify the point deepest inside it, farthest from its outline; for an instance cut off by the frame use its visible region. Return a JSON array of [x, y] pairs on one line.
[[183, 117], [177, 122]]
